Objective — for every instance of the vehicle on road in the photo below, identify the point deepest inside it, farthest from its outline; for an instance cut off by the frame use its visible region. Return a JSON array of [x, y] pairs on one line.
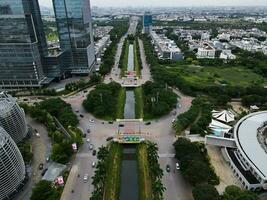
[[84, 135], [94, 152], [168, 168], [85, 178], [37, 134], [121, 125], [88, 140], [110, 122], [92, 120], [88, 130], [41, 166], [91, 147], [109, 138], [76, 110], [173, 120], [147, 123], [47, 159], [81, 116], [177, 166], [93, 164]]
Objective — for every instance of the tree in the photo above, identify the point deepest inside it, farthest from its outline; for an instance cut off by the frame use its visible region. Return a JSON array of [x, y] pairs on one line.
[[44, 191], [205, 192]]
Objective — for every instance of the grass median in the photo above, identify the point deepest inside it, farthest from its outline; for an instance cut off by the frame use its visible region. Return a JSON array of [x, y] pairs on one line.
[[145, 190], [138, 103], [112, 182], [121, 103]]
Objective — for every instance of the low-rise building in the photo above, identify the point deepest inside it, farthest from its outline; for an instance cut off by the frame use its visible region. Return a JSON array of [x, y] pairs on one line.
[[206, 51]]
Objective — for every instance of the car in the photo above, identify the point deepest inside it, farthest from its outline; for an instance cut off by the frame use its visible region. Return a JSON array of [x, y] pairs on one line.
[[84, 135], [121, 125], [84, 91], [81, 116], [76, 110], [110, 122], [37, 134], [168, 168], [177, 166], [147, 123], [173, 120], [88, 140], [93, 164], [47, 159], [94, 152], [88, 130], [44, 171], [92, 120], [91, 146], [85, 178], [109, 138], [41, 166]]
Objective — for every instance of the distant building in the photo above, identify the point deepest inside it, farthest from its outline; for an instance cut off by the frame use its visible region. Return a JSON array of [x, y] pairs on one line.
[[227, 55], [166, 48], [206, 51], [74, 24], [147, 22], [22, 44]]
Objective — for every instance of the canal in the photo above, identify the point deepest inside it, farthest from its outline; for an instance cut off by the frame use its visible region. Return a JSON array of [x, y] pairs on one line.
[[129, 174]]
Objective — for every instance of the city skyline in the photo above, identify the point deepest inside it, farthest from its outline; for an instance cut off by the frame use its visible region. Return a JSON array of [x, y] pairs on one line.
[[168, 3]]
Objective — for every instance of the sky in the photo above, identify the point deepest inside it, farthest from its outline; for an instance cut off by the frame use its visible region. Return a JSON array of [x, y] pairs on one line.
[[167, 3]]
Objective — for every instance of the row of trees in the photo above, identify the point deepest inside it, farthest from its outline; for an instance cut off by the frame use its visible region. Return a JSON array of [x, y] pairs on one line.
[[194, 162], [209, 192], [155, 171], [61, 144], [198, 116], [158, 99], [103, 101], [120, 27]]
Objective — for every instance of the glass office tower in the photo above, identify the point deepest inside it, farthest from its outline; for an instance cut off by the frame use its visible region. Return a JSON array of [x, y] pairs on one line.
[[22, 44], [75, 34], [147, 22]]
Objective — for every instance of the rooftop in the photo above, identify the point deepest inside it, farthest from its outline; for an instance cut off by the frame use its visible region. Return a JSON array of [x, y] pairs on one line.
[[247, 142]]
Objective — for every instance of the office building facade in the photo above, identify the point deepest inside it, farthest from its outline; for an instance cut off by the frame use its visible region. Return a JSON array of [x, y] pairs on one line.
[[147, 22], [22, 44], [74, 24]]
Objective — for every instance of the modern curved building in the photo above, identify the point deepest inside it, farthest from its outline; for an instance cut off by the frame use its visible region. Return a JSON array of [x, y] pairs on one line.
[[12, 118], [245, 150], [12, 168]]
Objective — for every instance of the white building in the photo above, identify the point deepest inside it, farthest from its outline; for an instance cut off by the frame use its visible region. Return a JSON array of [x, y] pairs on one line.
[[227, 55], [206, 51], [246, 150]]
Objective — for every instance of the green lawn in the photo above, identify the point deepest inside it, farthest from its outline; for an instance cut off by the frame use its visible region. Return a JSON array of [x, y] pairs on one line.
[[145, 190], [121, 103], [112, 183], [234, 76], [138, 103]]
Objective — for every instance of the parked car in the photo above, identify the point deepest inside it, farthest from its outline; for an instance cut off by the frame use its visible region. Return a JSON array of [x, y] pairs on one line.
[[41, 166], [94, 152], [91, 147], [81, 116], [173, 120], [84, 135], [110, 122], [92, 120], [76, 110], [121, 125], [88, 140], [47, 159], [147, 123], [109, 138], [85, 178], [44, 171], [88, 130], [168, 168]]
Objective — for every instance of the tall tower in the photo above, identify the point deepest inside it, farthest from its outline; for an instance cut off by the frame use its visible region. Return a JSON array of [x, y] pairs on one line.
[[22, 44], [147, 22], [12, 167], [74, 24]]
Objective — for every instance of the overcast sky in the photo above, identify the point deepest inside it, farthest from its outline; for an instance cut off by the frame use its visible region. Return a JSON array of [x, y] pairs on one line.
[[174, 3]]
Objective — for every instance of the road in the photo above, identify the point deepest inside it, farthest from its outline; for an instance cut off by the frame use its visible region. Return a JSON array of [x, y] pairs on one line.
[[41, 147]]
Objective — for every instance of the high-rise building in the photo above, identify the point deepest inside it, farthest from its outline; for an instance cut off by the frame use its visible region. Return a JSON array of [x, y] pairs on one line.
[[22, 44], [147, 22], [12, 118], [12, 167], [74, 24]]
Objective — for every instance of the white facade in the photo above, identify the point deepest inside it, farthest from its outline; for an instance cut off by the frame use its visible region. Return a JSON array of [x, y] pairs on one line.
[[206, 51], [227, 55]]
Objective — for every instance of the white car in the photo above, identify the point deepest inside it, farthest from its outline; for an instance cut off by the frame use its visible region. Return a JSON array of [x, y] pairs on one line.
[[177, 166], [85, 178], [88, 140], [91, 147], [93, 164], [173, 120], [92, 120]]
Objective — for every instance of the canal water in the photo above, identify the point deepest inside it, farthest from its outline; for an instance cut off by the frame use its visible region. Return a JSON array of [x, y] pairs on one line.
[[130, 66], [129, 174]]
